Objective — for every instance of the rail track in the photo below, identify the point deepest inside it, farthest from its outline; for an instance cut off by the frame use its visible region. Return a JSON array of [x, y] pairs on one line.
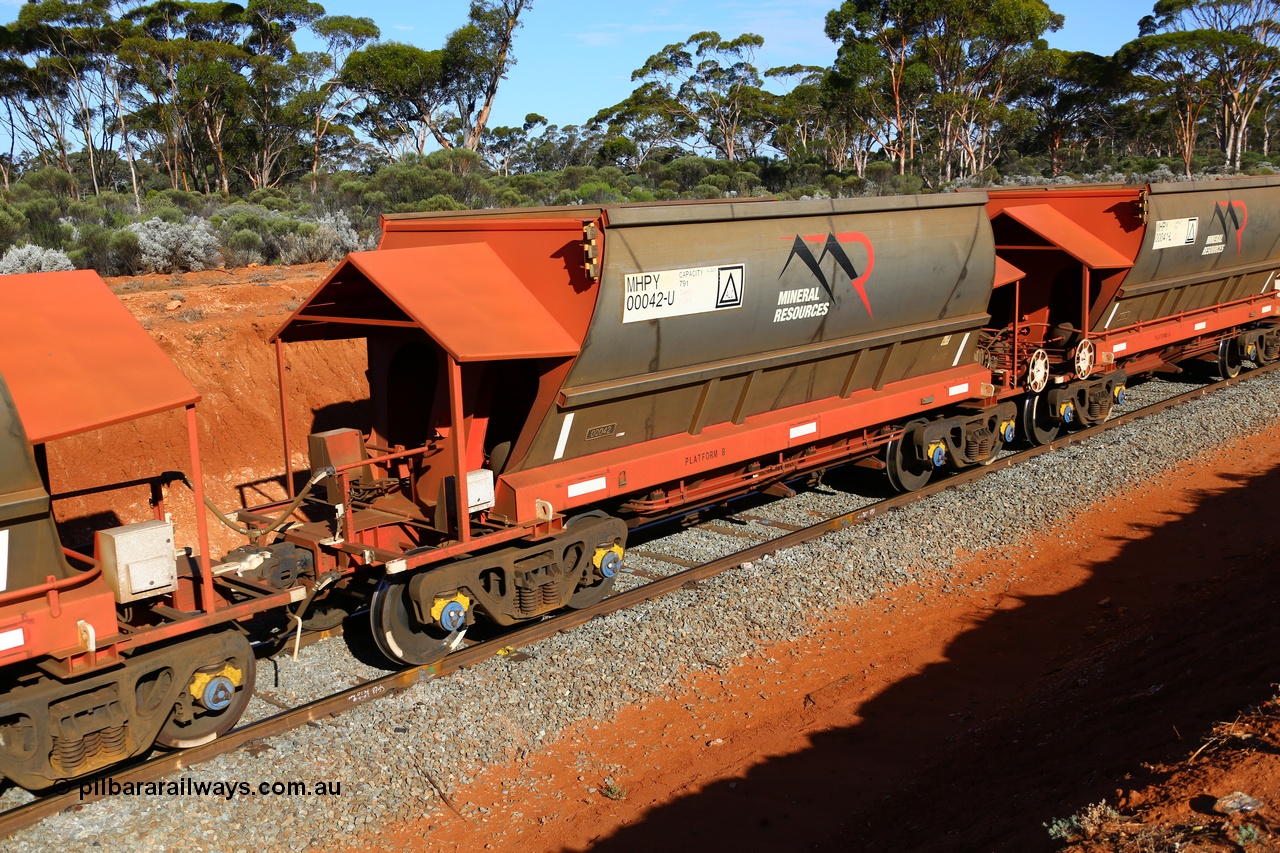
[[165, 764]]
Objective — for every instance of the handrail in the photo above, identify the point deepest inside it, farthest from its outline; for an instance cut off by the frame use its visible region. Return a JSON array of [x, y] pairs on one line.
[[79, 579]]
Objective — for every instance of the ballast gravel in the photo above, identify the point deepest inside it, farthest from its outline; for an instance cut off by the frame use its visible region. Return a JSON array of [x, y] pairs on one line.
[[399, 757]]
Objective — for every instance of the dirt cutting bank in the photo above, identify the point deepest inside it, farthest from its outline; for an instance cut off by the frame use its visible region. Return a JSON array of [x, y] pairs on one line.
[[215, 326]]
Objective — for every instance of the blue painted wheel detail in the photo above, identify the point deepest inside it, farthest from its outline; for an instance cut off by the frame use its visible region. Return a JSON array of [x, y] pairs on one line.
[[1009, 432], [610, 563], [218, 693], [939, 456], [453, 616], [1120, 396]]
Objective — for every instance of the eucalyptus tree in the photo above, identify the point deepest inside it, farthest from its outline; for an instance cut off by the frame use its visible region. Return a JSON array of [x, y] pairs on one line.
[[878, 78], [190, 91], [477, 58], [275, 78], [448, 94], [67, 41], [1067, 97], [324, 97], [402, 94], [1174, 68], [710, 83], [801, 131], [980, 52], [36, 102], [642, 126], [1234, 43]]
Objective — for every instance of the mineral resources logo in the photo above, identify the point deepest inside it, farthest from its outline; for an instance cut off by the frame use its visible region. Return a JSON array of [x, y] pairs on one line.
[[832, 245]]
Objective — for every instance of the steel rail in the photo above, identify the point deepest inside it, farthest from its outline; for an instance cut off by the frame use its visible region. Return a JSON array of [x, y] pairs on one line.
[[164, 765]]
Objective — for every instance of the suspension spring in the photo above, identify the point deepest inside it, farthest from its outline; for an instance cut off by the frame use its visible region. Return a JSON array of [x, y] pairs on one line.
[[979, 444], [113, 740], [527, 599], [69, 752]]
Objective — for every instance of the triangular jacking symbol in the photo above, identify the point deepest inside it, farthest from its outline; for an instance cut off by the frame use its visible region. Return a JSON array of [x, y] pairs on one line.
[[729, 292]]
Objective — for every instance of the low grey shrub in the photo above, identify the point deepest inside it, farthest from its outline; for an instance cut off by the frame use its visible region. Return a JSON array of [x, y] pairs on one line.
[[32, 258], [167, 247]]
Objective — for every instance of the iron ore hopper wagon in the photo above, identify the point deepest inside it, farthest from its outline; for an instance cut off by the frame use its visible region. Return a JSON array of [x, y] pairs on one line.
[[541, 381]]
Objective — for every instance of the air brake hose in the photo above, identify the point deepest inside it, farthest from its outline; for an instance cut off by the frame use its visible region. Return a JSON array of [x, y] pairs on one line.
[[255, 534]]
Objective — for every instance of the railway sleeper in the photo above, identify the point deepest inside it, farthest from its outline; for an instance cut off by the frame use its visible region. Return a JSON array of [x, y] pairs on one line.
[[52, 730]]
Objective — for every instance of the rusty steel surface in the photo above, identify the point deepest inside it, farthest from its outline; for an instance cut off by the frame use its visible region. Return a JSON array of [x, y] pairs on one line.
[[710, 316], [463, 296], [51, 804], [75, 359], [680, 288], [1206, 243], [42, 598]]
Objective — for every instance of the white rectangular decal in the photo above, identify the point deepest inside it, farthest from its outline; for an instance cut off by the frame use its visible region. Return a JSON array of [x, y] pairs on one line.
[[1176, 232], [4, 559], [1202, 324], [1266, 309], [955, 390], [11, 639], [587, 487], [676, 293], [564, 435], [1121, 347], [804, 429]]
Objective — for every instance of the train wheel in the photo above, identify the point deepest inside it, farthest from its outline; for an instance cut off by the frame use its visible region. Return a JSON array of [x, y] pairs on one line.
[[905, 473], [398, 633], [585, 596], [1228, 359], [1036, 425], [216, 696], [324, 617], [599, 580]]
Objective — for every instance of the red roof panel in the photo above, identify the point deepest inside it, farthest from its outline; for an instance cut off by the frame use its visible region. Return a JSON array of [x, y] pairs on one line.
[[1067, 235], [75, 359], [461, 294]]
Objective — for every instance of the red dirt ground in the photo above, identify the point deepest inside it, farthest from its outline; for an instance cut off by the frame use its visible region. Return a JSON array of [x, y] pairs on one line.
[[1079, 668]]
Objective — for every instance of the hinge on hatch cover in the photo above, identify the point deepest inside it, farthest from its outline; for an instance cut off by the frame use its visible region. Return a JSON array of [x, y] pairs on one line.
[[591, 250], [1143, 199]]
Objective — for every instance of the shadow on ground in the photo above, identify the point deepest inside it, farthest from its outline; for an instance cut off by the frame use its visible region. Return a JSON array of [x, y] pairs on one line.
[[1043, 706]]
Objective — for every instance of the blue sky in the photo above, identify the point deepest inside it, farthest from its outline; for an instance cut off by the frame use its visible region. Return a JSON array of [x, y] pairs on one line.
[[575, 58]]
